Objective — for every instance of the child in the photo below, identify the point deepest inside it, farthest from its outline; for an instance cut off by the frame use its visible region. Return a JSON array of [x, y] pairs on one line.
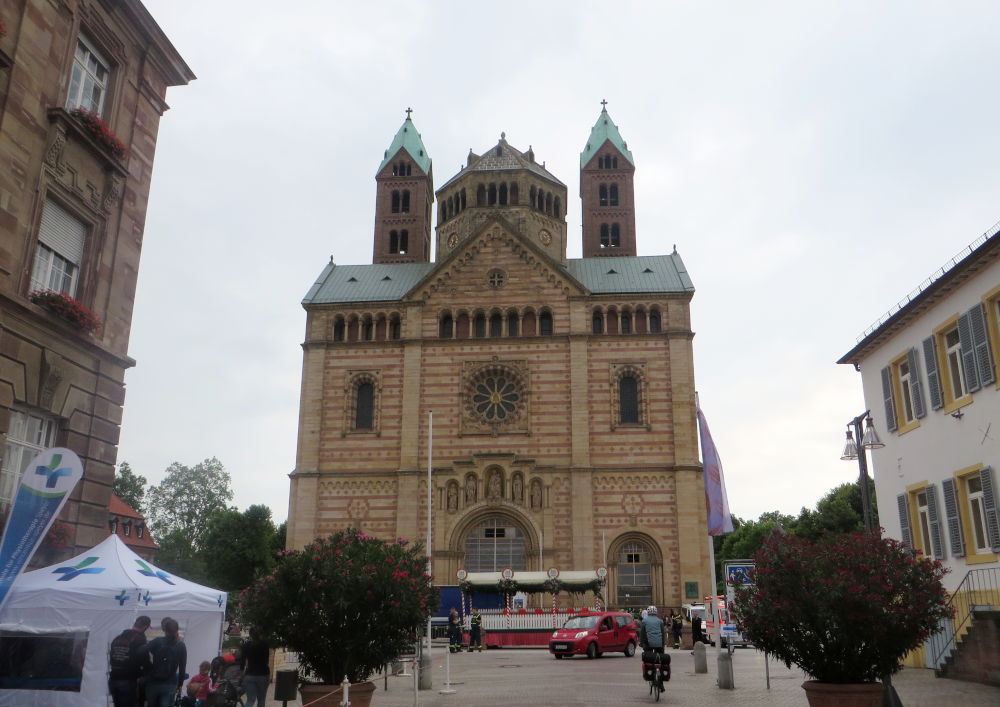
[[199, 686]]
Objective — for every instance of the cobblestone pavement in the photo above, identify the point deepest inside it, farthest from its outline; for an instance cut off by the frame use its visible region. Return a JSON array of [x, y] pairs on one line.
[[514, 677]]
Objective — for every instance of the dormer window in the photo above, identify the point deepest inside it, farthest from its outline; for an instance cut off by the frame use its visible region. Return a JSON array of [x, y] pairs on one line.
[[113, 525], [139, 528]]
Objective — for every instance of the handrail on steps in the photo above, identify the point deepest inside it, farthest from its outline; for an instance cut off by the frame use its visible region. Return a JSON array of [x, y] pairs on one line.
[[979, 590]]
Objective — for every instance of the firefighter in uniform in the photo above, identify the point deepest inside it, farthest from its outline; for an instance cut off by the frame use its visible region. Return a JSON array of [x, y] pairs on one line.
[[475, 630]]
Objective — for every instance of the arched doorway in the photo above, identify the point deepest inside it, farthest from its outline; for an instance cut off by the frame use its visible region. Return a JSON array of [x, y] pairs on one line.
[[635, 564], [494, 542]]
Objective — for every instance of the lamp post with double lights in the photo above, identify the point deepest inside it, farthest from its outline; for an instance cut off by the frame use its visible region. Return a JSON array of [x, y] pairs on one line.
[[858, 450]]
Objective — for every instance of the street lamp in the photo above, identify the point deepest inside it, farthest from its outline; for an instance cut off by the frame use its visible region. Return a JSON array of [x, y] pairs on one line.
[[852, 451]]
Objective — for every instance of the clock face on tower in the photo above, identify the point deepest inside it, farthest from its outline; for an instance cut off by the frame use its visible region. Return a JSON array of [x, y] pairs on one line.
[[453, 240], [545, 237]]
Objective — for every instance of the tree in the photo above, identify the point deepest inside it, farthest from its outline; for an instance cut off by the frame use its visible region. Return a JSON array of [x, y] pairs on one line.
[[129, 486], [186, 497], [178, 555], [238, 547], [839, 511]]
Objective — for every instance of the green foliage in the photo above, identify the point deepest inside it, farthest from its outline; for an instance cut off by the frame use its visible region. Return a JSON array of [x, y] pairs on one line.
[[846, 608], [238, 547], [178, 556], [186, 498], [348, 604], [129, 486]]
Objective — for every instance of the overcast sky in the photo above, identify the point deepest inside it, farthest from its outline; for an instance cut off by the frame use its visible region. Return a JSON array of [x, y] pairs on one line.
[[813, 162]]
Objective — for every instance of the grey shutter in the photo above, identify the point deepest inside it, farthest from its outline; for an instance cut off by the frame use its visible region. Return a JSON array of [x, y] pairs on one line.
[[933, 378], [916, 387], [890, 404], [935, 522], [62, 232], [990, 506], [981, 345], [904, 519], [952, 518], [968, 353]]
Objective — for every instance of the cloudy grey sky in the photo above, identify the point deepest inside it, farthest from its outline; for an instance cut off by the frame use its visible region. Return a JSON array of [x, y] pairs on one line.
[[813, 162]]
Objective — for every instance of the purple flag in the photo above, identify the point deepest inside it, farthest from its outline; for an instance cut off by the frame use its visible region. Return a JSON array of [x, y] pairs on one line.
[[719, 520]]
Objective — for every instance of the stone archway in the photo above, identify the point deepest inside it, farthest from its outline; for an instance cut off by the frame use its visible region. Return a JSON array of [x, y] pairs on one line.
[[635, 571], [492, 538]]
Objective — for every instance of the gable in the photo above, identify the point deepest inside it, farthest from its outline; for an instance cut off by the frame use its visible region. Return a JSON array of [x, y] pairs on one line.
[[497, 251]]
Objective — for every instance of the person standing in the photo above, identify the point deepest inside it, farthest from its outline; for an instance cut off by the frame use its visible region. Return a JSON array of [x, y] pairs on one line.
[[475, 630], [169, 662], [454, 631], [256, 669], [676, 626], [127, 662], [697, 636]]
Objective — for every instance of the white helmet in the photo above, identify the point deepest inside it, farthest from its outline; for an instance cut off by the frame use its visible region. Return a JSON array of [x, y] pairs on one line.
[[651, 610]]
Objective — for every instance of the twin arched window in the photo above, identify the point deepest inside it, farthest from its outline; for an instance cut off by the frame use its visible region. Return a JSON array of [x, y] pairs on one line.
[[399, 241], [611, 235], [400, 201]]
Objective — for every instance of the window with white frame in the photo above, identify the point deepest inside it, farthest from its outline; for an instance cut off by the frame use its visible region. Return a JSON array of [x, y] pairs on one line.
[[923, 515], [977, 512], [906, 390], [61, 238], [89, 79], [955, 369], [27, 436]]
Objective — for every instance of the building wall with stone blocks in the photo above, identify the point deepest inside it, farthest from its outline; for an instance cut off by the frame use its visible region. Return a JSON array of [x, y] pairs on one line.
[[51, 371]]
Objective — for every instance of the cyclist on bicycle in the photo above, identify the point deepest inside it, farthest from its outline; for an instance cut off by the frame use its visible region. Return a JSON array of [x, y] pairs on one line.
[[651, 632]]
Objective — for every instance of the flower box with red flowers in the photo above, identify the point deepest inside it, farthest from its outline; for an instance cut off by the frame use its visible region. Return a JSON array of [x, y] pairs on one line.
[[67, 309], [100, 132]]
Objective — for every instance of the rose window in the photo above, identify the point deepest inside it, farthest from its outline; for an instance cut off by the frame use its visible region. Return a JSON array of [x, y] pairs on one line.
[[496, 397]]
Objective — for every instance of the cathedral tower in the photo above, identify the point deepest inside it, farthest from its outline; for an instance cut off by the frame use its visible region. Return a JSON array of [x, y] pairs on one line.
[[607, 171], [403, 195]]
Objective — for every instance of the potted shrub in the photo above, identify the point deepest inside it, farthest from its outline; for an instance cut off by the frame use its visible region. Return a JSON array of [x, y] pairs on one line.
[[846, 609], [348, 604]]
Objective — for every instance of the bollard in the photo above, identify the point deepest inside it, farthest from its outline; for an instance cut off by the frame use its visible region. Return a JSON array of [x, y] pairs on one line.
[[425, 671], [700, 661], [725, 667]]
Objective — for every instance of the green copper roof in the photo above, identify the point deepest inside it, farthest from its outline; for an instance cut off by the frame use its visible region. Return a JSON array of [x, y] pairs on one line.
[[407, 138], [604, 129]]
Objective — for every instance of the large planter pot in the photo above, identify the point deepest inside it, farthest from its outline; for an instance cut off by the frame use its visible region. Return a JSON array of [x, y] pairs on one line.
[[828, 694], [360, 695]]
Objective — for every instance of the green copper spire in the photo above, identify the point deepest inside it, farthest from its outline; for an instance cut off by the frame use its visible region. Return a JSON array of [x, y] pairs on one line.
[[604, 129], [407, 138]]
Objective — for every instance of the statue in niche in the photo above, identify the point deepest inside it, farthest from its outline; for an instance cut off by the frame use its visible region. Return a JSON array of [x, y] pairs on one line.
[[517, 489], [452, 496], [536, 496], [495, 489], [470, 489]]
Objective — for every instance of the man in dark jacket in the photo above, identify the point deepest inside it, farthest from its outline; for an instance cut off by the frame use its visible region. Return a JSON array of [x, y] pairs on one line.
[[169, 663], [127, 663]]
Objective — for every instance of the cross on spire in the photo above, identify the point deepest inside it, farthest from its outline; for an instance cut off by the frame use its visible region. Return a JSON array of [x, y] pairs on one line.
[[408, 111], [604, 105]]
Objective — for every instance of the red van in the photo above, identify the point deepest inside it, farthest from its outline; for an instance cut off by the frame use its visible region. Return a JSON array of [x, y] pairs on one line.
[[595, 633]]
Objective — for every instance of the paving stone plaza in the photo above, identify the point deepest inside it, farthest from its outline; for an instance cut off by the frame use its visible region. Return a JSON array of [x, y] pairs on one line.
[[533, 677]]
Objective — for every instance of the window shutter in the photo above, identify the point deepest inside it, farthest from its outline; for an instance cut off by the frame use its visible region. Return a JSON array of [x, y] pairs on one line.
[[968, 352], [916, 386], [62, 232], [890, 405], [937, 546], [952, 519], [933, 378], [904, 519], [990, 506], [981, 345]]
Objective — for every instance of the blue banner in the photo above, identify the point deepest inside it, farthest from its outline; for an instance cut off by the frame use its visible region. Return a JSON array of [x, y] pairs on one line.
[[45, 485]]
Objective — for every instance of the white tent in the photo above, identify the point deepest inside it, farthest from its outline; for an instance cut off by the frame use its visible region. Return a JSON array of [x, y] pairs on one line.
[[58, 623]]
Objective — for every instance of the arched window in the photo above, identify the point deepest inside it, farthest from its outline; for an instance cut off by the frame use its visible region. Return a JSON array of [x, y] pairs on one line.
[[613, 195], [598, 325], [635, 585], [364, 408], [614, 163], [628, 400], [556, 207], [449, 207], [545, 324], [548, 202], [338, 329], [616, 239], [393, 241], [602, 195], [640, 321], [492, 198], [380, 328], [533, 197], [479, 325], [605, 237], [462, 326], [503, 195], [447, 327], [496, 325], [395, 329], [353, 327], [481, 195], [513, 194], [528, 324], [395, 201], [462, 195], [512, 323], [626, 323], [404, 241], [493, 544], [612, 321], [406, 201], [367, 329], [654, 322]]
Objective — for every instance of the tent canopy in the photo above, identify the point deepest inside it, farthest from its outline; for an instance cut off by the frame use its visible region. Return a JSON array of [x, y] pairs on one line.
[[59, 621]]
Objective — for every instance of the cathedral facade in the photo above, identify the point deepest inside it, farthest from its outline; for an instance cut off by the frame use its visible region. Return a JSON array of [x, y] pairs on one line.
[[556, 395]]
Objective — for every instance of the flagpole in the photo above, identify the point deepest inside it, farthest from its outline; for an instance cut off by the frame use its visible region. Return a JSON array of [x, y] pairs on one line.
[[430, 463]]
